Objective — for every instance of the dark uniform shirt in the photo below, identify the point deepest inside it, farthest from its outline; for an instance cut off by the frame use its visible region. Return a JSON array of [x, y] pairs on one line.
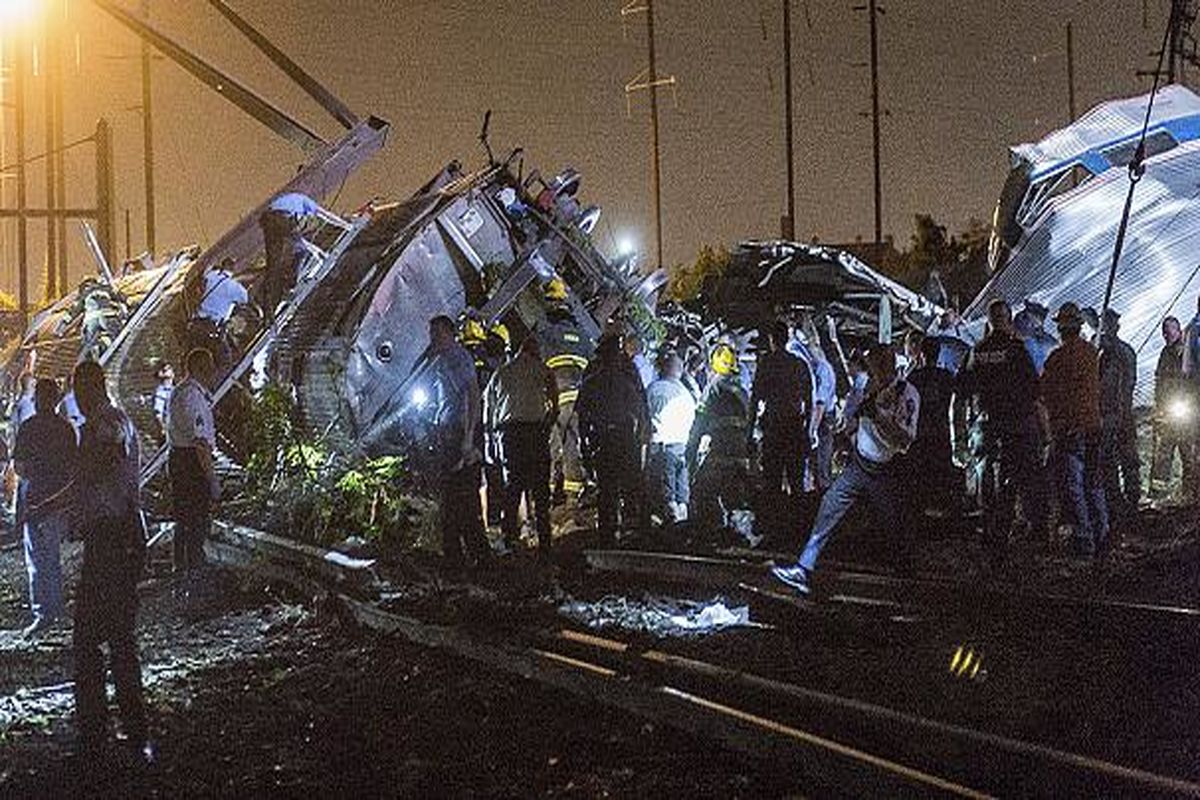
[[935, 385], [724, 416], [1118, 374], [45, 450], [783, 384], [612, 399], [1168, 375], [108, 463], [1000, 373]]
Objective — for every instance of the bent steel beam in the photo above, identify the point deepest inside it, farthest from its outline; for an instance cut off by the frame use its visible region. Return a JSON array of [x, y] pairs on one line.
[[313, 88], [228, 88]]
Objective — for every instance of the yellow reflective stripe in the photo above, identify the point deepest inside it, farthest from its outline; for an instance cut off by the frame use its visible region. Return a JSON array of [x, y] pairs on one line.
[[573, 486], [566, 360], [569, 396]]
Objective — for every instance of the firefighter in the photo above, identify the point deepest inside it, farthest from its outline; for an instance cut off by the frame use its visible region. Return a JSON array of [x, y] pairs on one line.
[[1118, 375], [113, 556], [672, 411], [719, 436], [1071, 391], [566, 352], [1001, 378], [519, 403], [886, 424], [614, 424], [458, 443], [192, 437], [1174, 413], [488, 347]]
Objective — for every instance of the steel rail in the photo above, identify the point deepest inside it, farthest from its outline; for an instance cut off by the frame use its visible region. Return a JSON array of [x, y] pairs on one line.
[[663, 564], [1143, 778]]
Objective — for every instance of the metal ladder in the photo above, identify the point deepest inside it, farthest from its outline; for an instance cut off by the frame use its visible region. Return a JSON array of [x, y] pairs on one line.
[[315, 268]]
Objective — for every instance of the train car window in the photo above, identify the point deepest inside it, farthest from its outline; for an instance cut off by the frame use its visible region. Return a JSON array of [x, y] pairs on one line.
[[1049, 187], [1156, 143]]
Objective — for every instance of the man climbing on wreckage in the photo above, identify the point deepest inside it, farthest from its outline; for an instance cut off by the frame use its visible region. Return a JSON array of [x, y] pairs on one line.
[[281, 225], [886, 424]]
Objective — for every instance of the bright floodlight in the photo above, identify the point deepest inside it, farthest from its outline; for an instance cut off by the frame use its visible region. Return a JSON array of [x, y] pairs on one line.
[[420, 397], [625, 246], [13, 12], [1180, 410]]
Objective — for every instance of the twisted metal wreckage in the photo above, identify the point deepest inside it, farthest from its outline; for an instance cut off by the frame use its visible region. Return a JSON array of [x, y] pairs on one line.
[[497, 246]]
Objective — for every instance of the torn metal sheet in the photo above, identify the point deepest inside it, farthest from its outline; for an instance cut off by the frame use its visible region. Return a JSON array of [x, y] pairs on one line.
[[1056, 221]]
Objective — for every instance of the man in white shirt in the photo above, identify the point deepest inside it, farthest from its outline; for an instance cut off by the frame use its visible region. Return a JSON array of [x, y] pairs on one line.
[[192, 435], [887, 425], [207, 328], [672, 413]]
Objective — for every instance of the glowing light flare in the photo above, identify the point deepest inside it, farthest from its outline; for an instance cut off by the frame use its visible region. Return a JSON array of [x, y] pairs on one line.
[[18, 12], [1181, 410], [420, 397], [625, 246]]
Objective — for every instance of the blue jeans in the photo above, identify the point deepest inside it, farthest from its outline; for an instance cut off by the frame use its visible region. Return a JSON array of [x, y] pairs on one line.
[[43, 537], [666, 468], [1081, 477], [859, 482]]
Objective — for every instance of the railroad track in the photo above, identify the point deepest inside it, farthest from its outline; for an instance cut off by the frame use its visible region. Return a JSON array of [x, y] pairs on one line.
[[853, 583], [832, 743]]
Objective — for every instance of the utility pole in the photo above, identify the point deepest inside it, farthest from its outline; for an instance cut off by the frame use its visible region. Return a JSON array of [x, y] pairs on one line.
[[788, 228], [148, 137], [1071, 73], [49, 67], [19, 54], [873, 12], [656, 181], [648, 79]]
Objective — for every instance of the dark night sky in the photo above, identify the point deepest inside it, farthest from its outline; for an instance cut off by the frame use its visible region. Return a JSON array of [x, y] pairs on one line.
[[961, 82]]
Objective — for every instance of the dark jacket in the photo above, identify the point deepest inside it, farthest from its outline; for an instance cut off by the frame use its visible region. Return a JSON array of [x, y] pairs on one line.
[[1169, 380], [783, 384], [1001, 375], [1118, 375], [611, 403]]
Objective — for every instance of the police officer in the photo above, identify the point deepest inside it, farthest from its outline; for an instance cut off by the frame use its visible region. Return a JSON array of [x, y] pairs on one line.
[[113, 555], [519, 402], [613, 425], [458, 443], [192, 437], [1118, 375], [281, 226], [208, 327], [1000, 376], [783, 389], [722, 471], [1174, 412]]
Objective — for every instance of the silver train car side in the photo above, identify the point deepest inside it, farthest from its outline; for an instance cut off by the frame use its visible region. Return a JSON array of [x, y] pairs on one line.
[[1056, 222]]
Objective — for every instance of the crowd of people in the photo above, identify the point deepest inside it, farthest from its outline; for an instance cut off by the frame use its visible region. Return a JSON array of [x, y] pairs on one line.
[[1039, 429]]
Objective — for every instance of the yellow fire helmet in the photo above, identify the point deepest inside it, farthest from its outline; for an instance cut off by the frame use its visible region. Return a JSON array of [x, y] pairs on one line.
[[473, 332], [556, 290], [723, 360], [501, 330]]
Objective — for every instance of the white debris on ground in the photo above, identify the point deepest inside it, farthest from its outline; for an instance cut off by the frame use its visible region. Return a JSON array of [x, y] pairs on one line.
[[659, 616]]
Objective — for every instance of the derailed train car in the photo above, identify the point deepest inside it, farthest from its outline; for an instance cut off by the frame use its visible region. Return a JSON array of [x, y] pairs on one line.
[[1056, 222], [489, 248], [848, 303]]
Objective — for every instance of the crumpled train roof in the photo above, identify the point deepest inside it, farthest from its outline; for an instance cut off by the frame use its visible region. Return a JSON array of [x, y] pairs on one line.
[[1106, 123]]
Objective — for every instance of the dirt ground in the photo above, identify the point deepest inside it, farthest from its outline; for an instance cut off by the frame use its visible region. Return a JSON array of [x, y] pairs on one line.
[[253, 693]]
